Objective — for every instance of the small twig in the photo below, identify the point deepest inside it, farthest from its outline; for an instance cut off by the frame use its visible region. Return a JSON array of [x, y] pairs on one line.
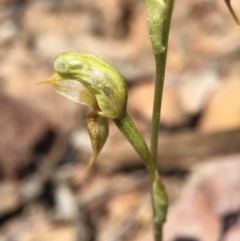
[[228, 2]]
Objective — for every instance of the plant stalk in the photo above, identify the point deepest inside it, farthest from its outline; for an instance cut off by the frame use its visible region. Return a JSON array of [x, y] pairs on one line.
[[160, 63], [158, 192], [127, 127], [159, 14]]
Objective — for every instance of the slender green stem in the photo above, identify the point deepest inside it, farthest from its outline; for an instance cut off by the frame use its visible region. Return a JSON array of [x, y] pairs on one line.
[[158, 232], [159, 14], [127, 127], [159, 195], [160, 60]]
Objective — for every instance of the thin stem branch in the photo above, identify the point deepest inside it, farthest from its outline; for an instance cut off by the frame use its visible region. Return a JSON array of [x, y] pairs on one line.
[[127, 127], [228, 2]]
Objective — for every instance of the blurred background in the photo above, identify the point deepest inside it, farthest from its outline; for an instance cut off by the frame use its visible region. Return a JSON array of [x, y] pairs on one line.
[[45, 194]]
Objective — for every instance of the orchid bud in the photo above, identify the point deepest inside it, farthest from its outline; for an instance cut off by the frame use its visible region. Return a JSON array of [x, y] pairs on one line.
[[156, 14]]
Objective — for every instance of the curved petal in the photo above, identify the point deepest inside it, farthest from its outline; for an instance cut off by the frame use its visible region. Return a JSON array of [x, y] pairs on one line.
[[73, 90], [98, 131]]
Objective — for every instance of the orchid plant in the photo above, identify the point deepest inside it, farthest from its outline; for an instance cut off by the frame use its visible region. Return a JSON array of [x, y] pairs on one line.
[[90, 80]]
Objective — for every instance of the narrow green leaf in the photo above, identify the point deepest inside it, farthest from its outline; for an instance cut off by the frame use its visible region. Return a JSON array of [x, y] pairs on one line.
[[160, 200]]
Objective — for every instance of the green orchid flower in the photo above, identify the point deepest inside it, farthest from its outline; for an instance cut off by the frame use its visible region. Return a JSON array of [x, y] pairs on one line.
[[90, 80]]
